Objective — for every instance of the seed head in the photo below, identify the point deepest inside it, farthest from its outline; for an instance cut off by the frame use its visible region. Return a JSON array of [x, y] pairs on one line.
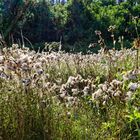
[[136, 43]]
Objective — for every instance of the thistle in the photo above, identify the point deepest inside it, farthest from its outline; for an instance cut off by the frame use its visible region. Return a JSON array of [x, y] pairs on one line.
[[101, 41], [111, 29]]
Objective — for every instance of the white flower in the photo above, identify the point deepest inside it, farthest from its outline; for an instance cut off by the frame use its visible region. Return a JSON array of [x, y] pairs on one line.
[[38, 65], [104, 87], [48, 85], [116, 83], [68, 114], [104, 103], [128, 95], [97, 94], [125, 78], [86, 90], [42, 60], [63, 95], [117, 93], [1, 59], [74, 91], [63, 86], [70, 99], [3, 75], [23, 58], [110, 91], [1, 68], [105, 97], [70, 79], [24, 67], [100, 86]]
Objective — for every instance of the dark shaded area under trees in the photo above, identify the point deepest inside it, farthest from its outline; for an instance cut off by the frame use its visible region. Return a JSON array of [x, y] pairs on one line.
[[74, 21]]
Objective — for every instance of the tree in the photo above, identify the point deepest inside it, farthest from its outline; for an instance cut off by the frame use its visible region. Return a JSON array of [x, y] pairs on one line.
[[15, 10]]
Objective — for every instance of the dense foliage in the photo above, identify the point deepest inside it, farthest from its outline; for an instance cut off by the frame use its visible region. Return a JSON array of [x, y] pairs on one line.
[[74, 21]]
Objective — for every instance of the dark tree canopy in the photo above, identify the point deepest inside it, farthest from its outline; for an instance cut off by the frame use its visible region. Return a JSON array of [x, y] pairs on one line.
[[75, 21]]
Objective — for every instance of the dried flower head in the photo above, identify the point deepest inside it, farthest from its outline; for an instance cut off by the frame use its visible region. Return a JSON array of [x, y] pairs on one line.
[[136, 43], [97, 32], [111, 28], [92, 45], [15, 46]]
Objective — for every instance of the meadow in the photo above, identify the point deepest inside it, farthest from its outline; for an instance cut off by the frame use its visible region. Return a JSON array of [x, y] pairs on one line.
[[65, 96], [54, 85]]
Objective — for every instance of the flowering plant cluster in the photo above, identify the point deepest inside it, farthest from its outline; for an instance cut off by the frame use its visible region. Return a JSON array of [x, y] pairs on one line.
[[58, 86]]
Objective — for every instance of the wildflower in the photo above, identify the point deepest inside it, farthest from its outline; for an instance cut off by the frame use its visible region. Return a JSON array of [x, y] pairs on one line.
[[70, 79], [23, 58], [115, 83], [110, 91], [52, 56], [63, 88], [131, 75], [40, 71], [1, 68], [86, 90], [105, 97], [92, 45], [3, 75], [98, 32], [97, 94], [42, 60], [68, 114], [128, 95], [15, 46], [10, 65], [100, 86], [26, 82], [104, 103], [74, 91], [37, 65], [63, 95], [136, 43], [125, 78], [93, 87], [117, 93], [103, 87], [111, 28], [133, 86], [70, 99], [78, 78], [48, 85], [1, 59], [25, 67]]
